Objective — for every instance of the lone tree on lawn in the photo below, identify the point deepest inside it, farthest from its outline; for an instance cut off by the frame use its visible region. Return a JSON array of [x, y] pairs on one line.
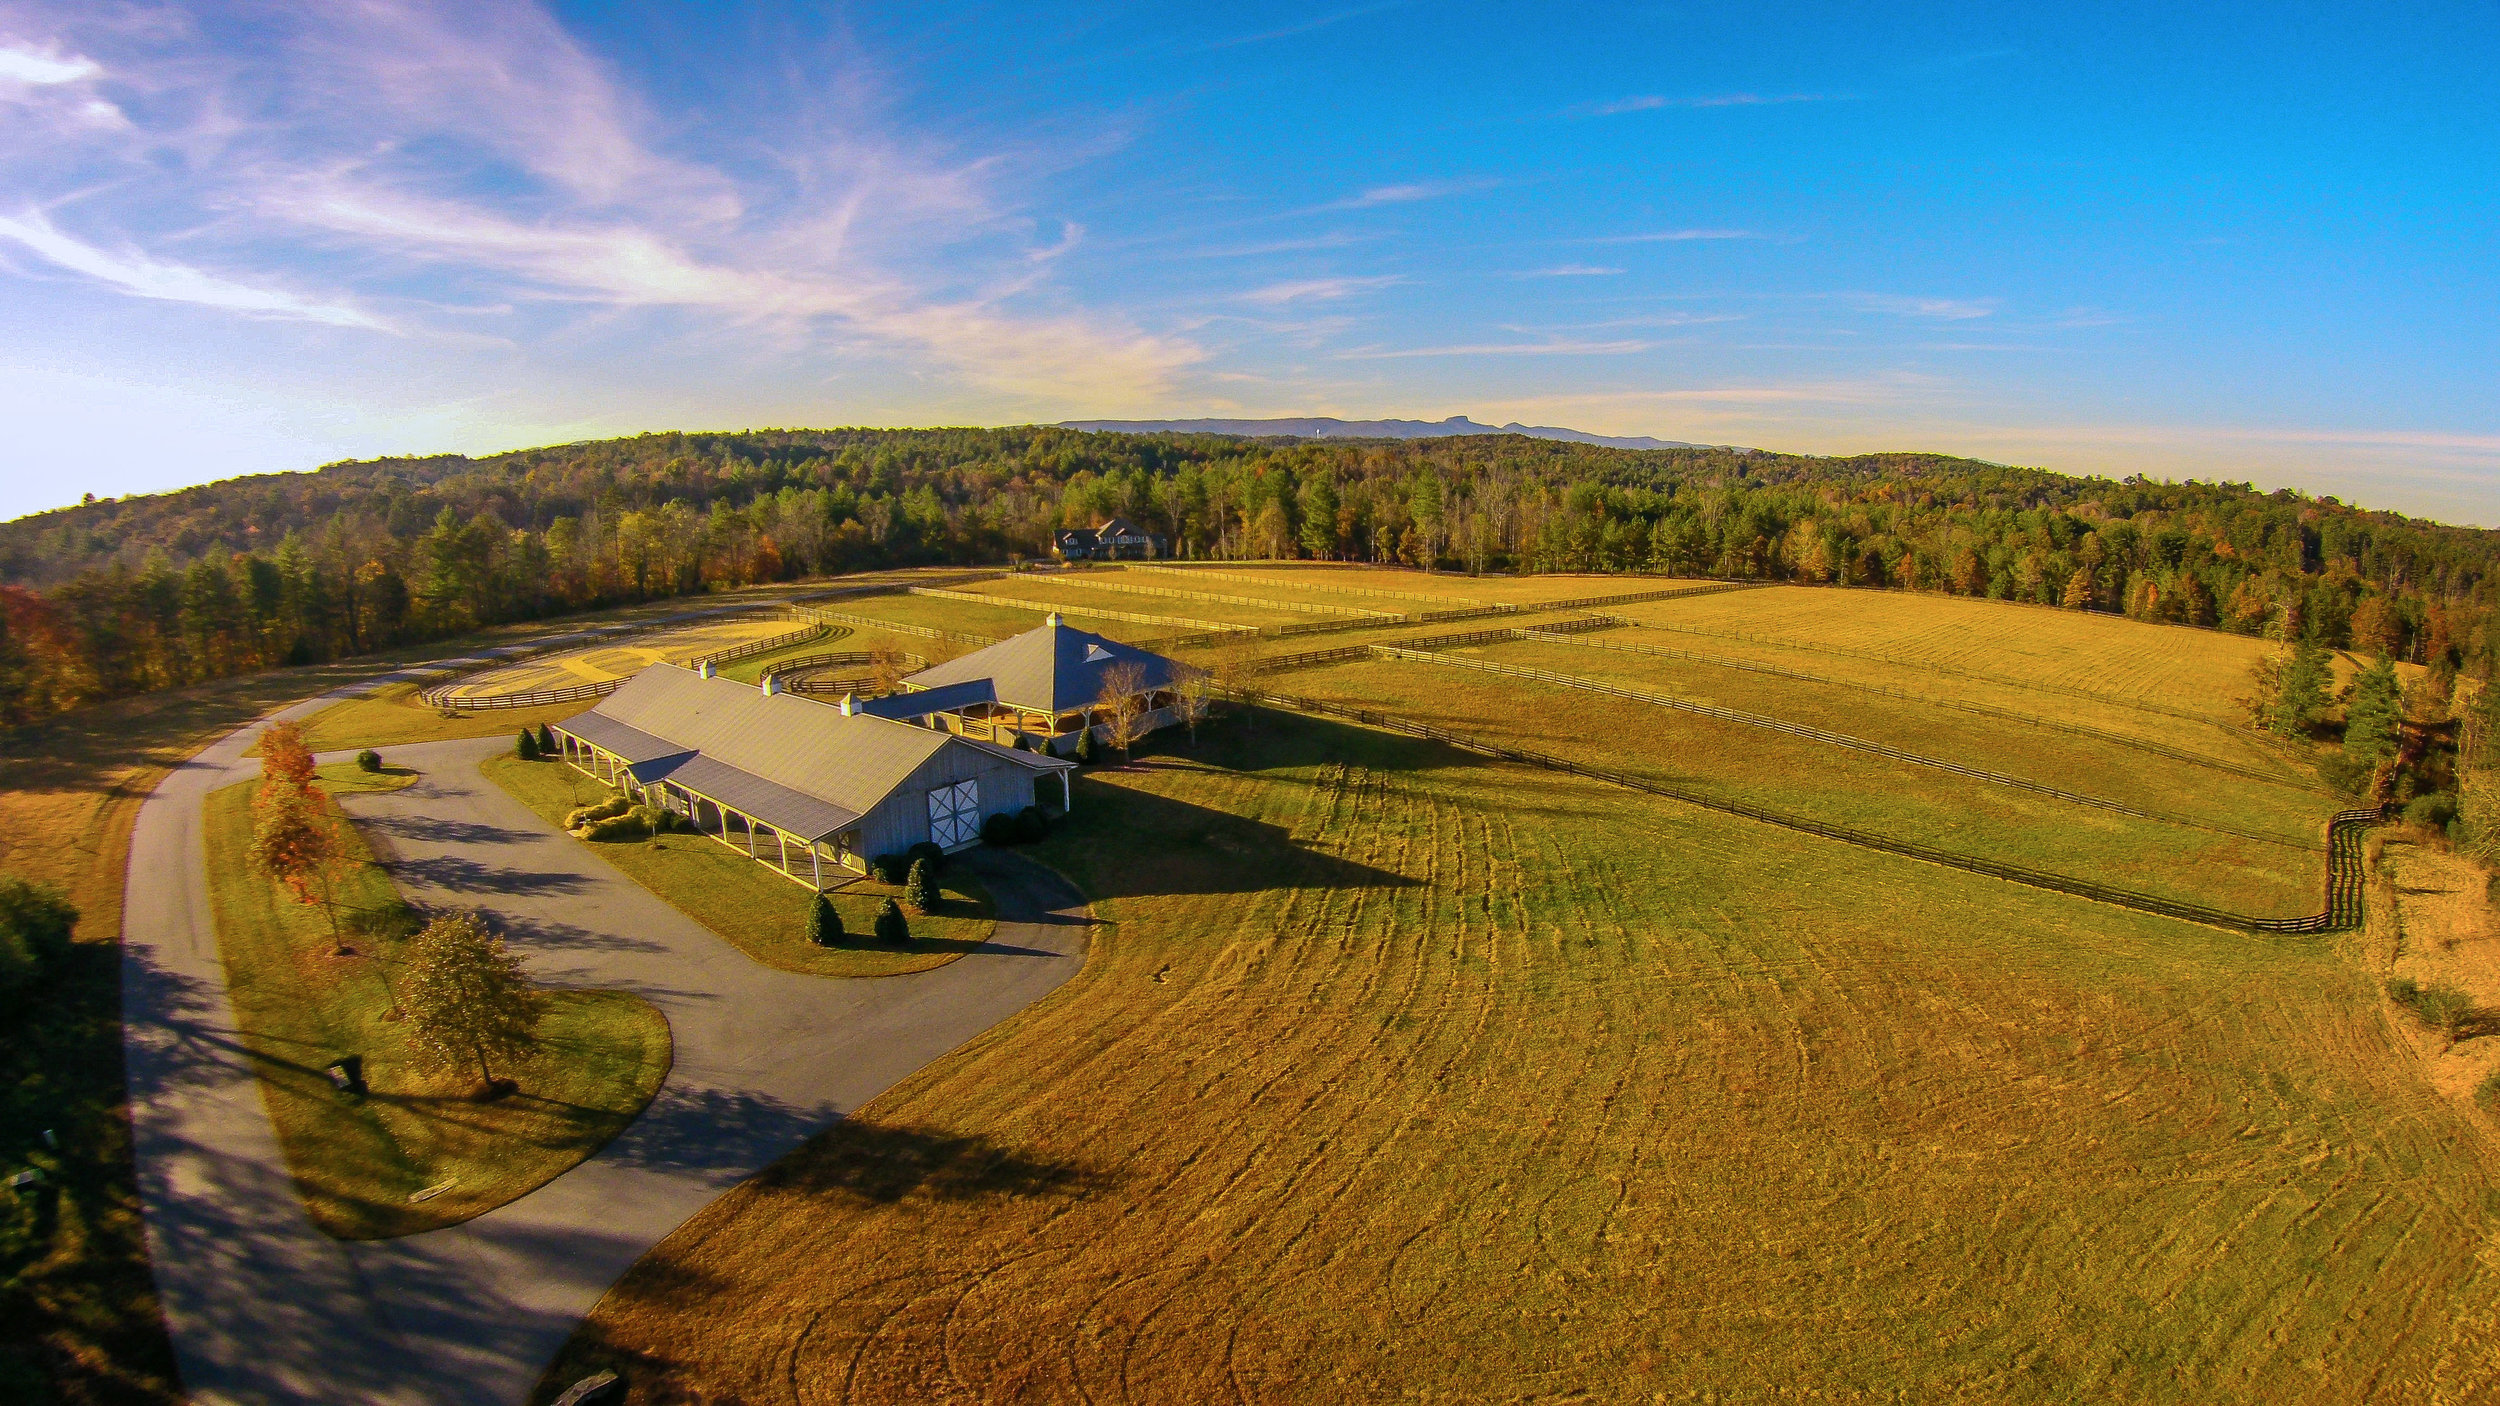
[[294, 843], [920, 888], [1123, 704], [285, 762], [469, 1005], [2300, 691], [824, 925], [1196, 691], [892, 926]]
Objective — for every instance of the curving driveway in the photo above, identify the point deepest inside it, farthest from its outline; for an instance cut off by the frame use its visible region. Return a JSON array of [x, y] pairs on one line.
[[264, 1307]]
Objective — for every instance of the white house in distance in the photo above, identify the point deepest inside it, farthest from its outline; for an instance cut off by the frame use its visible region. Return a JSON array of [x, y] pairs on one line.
[[812, 789], [1040, 689]]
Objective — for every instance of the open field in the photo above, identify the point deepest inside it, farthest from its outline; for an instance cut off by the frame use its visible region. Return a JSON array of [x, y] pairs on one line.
[[1822, 782], [997, 623], [600, 663], [1453, 591], [751, 908], [1075, 600], [1396, 1074], [2200, 671], [391, 715], [361, 1163]]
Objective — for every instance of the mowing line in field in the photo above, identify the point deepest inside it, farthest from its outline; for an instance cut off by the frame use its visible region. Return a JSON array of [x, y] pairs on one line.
[[1041, 607], [1755, 667], [2344, 832], [1929, 666], [1374, 592], [1090, 583], [1830, 739]]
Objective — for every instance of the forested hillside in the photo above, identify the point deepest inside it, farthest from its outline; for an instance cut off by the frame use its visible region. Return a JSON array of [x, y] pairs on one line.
[[114, 597]]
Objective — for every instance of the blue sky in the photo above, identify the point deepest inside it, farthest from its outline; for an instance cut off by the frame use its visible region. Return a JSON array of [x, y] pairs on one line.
[[2176, 240]]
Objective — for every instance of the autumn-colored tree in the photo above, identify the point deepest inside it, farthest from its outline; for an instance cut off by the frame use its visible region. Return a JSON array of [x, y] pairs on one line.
[[295, 844], [1194, 694], [2079, 590], [2375, 627], [885, 670], [285, 762], [468, 1003]]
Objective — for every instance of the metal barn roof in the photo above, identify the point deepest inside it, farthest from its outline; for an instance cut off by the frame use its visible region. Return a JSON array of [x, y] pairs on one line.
[[1050, 669]]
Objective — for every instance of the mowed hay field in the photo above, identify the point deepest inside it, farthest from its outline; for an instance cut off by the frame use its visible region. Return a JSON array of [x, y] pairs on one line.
[[1398, 1074], [1440, 590], [599, 663]]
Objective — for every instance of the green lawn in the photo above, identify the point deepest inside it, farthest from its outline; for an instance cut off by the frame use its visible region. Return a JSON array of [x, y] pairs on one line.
[[751, 907], [1405, 1076], [391, 715], [357, 1161], [347, 778]]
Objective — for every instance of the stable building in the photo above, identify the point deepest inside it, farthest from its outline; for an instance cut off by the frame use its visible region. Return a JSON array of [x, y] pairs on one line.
[[811, 788], [1040, 689], [1116, 539]]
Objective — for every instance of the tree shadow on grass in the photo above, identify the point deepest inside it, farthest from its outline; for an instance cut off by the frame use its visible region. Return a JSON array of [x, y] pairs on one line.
[[716, 1131], [883, 1164]]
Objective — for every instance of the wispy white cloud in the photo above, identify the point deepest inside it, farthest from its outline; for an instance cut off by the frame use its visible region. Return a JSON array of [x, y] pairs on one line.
[[44, 67], [1309, 290], [1675, 236], [1410, 192], [142, 276], [1940, 309], [1305, 27], [1617, 348], [1569, 271], [1654, 101]]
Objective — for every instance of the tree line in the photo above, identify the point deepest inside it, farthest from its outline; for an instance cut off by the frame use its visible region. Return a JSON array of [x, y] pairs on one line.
[[114, 597]]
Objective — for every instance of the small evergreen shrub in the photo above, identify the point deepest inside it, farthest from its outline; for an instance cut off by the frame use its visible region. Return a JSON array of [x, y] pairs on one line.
[[1088, 751], [547, 742], [2346, 774], [892, 927], [526, 745], [2437, 808], [920, 890], [1032, 825], [824, 924], [999, 829], [368, 760], [925, 850], [891, 868]]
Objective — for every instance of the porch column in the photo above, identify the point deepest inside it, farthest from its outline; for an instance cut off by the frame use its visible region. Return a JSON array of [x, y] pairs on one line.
[[1066, 803], [783, 841], [815, 866]]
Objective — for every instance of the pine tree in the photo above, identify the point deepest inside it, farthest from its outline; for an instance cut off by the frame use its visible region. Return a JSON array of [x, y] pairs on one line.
[[2079, 590], [824, 924], [2300, 694], [468, 1002], [920, 888], [526, 745], [547, 742], [2373, 720], [1088, 751], [892, 926]]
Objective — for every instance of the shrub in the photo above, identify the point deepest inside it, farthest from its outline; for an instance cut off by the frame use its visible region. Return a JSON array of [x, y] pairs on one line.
[[547, 742], [920, 891], [2348, 775], [824, 925], [617, 827], [1032, 825], [2437, 808], [368, 760], [35, 927], [924, 850], [999, 829], [597, 811], [526, 745], [2442, 1008], [1088, 751], [2487, 1093], [892, 926], [891, 868]]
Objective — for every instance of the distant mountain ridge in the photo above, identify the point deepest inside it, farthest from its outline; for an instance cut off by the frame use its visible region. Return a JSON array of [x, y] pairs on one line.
[[1324, 427]]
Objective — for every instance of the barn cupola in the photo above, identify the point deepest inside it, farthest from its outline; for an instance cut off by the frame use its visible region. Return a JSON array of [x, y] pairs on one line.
[[770, 685], [705, 669], [850, 705], [1053, 619]]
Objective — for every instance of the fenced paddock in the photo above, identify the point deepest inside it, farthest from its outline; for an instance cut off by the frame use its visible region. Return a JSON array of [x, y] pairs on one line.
[[611, 664]]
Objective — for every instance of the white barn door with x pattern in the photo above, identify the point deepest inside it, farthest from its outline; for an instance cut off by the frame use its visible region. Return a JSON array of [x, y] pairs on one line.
[[955, 814]]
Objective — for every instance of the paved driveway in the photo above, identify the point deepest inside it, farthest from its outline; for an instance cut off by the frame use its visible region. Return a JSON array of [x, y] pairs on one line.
[[263, 1307]]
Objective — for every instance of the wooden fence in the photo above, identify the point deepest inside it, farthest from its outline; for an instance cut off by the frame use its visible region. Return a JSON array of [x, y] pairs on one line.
[[1089, 583], [2343, 884], [1046, 608], [440, 695], [926, 632], [1367, 592], [1438, 617], [1827, 738]]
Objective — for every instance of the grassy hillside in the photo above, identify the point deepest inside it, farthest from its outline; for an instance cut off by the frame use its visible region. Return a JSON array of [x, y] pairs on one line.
[[1399, 1075]]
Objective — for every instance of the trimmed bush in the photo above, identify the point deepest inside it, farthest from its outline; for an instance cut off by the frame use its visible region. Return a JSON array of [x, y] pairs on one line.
[[999, 829], [1032, 825], [628, 826], [368, 760], [824, 925], [892, 926], [2437, 808], [920, 890], [1088, 751], [891, 868], [935, 857], [547, 747], [601, 810], [526, 745]]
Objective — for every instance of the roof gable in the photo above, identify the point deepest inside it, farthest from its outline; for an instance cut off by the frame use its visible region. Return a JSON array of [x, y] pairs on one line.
[[1051, 669]]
